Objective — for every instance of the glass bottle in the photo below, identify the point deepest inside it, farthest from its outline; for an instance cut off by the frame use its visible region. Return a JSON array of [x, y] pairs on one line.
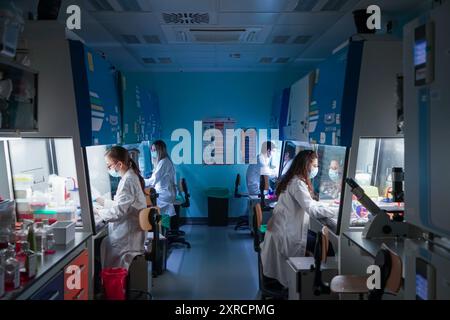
[[50, 237], [22, 234], [12, 271], [5, 237], [27, 260], [41, 238], [31, 238]]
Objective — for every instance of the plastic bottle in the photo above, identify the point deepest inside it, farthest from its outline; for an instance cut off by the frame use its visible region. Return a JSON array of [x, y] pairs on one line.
[[12, 269], [27, 260], [41, 238]]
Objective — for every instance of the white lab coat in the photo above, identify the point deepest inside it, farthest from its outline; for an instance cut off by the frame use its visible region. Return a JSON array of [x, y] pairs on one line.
[[125, 238], [263, 166], [163, 180], [289, 229]]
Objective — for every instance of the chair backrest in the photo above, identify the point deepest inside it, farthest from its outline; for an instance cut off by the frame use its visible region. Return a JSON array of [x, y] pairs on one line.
[[237, 184], [394, 280], [145, 221], [325, 243], [185, 192], [257, 220], [390, 265], [257, 210]]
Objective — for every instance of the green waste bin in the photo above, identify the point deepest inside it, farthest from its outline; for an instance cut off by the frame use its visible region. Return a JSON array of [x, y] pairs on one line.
[[217, 206]]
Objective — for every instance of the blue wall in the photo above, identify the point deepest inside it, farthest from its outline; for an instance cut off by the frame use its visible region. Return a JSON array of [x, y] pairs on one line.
[[187, 97]]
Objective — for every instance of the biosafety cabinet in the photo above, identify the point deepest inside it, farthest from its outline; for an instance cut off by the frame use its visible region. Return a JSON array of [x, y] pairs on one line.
[[426, 54], [42, 170]]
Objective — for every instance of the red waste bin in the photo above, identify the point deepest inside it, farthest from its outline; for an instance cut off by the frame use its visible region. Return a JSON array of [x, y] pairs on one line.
[[115, 283]]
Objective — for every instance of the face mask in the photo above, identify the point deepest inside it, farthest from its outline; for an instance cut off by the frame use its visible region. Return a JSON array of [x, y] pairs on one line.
[[333, 174], [154, 154], [113, 173], [313, 173]]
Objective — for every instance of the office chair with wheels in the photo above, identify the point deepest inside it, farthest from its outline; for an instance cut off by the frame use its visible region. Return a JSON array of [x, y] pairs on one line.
[[174, 235], [268, 288], [242, 220], [390, 265]]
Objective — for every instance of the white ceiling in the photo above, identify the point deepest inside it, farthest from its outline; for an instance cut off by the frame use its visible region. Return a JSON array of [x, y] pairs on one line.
[[277, 20]]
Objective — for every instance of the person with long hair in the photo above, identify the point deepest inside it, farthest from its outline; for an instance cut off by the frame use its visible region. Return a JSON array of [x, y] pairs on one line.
[[287, 229], [125, 237], [163, 178]]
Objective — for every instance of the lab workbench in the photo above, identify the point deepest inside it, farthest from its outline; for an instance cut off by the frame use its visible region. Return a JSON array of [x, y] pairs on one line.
[[51, 267]]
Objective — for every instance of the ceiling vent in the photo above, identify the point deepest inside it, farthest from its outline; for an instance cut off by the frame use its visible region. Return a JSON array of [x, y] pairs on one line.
[[235, 55], [305, 5], [266, 60], [334, 5], [216, 35], [282, 60], [148, 60], [130, 39], [151, 39], [165, 60], [186, 18], [301, 39], [280, 39]]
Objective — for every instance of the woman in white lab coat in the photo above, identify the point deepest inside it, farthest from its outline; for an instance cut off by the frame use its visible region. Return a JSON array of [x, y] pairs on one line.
[[287, 230], [125, 238], [163, 178], [263, 166]]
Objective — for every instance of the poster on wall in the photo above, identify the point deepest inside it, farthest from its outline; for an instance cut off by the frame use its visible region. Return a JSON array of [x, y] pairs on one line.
[[104, 100], [214, 139]]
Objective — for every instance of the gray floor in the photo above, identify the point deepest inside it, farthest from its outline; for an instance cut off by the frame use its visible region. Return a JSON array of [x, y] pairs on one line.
[[220, 265]]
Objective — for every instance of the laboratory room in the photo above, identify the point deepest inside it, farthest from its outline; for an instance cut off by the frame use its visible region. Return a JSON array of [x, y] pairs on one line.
[[253, 151]]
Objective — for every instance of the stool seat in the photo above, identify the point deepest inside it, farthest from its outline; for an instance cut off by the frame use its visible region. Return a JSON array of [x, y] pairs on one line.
[[349, 284]]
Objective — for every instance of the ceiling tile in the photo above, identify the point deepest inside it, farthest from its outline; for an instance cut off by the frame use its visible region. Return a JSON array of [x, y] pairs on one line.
[[247, 19], [252, 5], [183, 5]]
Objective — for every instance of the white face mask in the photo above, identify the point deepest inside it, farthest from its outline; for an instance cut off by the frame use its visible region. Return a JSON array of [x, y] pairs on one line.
[[334, 175], [313, 173], [113, 172]]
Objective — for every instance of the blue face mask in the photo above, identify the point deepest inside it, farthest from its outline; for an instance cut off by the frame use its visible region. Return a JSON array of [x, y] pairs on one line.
[[334, 175], [154, 154], [313, 173]]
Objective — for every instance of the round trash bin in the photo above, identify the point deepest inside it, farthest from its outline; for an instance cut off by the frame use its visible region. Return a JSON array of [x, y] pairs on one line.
[[217, 206]]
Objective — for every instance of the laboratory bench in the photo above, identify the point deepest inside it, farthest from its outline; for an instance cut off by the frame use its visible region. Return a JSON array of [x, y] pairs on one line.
[[50, 280]]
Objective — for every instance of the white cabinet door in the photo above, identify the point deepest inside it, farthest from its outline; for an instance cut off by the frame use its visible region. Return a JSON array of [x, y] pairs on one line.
[[299, 100]]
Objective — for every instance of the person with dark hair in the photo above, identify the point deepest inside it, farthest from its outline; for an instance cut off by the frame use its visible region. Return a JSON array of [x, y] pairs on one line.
[[288, 157], [125, 237], [287, 230], [163, 178]]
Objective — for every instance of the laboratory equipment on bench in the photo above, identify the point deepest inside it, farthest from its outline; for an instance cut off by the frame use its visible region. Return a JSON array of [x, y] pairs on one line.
[[384, 221]]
